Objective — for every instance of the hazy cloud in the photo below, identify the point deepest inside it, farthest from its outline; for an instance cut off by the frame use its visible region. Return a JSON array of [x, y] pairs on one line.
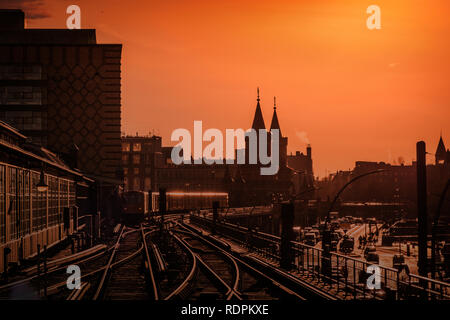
[[34, 9], [303, 136], [393, 64]]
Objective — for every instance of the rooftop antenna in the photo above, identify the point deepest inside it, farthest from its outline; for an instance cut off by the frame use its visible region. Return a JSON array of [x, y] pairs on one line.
[[257, 93], [274, 103]]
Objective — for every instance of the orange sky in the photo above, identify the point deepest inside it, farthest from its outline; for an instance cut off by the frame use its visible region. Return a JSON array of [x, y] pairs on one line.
[[356, 94]]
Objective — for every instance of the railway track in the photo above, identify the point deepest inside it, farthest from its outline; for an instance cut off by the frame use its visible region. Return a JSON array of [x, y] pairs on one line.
[[217, 274], [128, 272], [91, 271], [119, 271], [51, 284]]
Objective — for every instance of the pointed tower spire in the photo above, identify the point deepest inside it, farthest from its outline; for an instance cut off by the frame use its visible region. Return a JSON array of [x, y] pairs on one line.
[[258, 120], [275, 124], [440, 151]]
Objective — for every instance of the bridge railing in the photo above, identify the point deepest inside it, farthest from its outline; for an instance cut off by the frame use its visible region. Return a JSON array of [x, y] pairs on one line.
[[345, 274]]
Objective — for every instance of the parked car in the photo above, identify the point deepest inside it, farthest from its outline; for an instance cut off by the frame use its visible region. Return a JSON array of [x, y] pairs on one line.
[[373, 258], [398, 260], [347, 244], [310, 239], [317, 233]]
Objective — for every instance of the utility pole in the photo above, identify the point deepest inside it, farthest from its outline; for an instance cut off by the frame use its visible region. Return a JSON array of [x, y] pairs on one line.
[[150, 205], [162, 207], [215, 206], [422, 207], [287, 235]]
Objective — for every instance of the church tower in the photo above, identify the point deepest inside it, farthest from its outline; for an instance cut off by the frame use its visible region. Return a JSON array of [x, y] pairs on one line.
[[258, 124], [440, 154], [258, 120], [283, 140]]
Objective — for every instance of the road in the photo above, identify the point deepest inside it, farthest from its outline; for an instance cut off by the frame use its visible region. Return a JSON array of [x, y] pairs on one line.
[[386, 254]]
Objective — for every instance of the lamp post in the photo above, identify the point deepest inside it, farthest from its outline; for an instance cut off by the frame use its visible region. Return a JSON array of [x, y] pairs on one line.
[[42, 186], [326, 239]]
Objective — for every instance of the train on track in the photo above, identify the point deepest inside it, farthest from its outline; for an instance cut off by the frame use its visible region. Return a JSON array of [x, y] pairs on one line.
[[135, 206], [138, 204]]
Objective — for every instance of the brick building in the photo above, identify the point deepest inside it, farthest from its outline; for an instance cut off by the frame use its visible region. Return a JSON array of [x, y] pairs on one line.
[[140, 156]]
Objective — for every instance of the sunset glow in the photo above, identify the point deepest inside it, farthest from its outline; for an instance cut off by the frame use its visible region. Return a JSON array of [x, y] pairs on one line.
[[353, 93]]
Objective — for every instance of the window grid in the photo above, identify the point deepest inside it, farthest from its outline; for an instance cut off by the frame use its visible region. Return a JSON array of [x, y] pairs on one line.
[[2, 204]]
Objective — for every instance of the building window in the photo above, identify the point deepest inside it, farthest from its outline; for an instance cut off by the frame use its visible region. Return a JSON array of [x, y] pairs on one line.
[[136, 147], [149, 159], [24, 120], [124, 158], [20, 72], [39, 204], [53, 203], [72, 194], [136, 159], [2, 205], [137, 185], [11, 207], [20, 95], [63, 195], [25, 204], [136, 171], [147, 183], [125, 171], [125, 147]]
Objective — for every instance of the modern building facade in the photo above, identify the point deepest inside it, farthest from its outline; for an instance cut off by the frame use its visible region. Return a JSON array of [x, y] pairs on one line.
[[62, 89]]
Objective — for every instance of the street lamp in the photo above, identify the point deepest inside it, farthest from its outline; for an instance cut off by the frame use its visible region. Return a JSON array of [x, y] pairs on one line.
[[42, 186], [326, 237]]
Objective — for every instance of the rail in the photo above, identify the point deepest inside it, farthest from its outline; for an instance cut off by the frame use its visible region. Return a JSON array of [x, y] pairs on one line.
[[232, 292], [149, 266], [108, 266], [188, 281], [240, 263], [160, 262]]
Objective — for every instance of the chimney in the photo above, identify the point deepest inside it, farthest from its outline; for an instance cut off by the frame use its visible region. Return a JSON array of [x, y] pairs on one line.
[[308, 151], [12, 19]]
